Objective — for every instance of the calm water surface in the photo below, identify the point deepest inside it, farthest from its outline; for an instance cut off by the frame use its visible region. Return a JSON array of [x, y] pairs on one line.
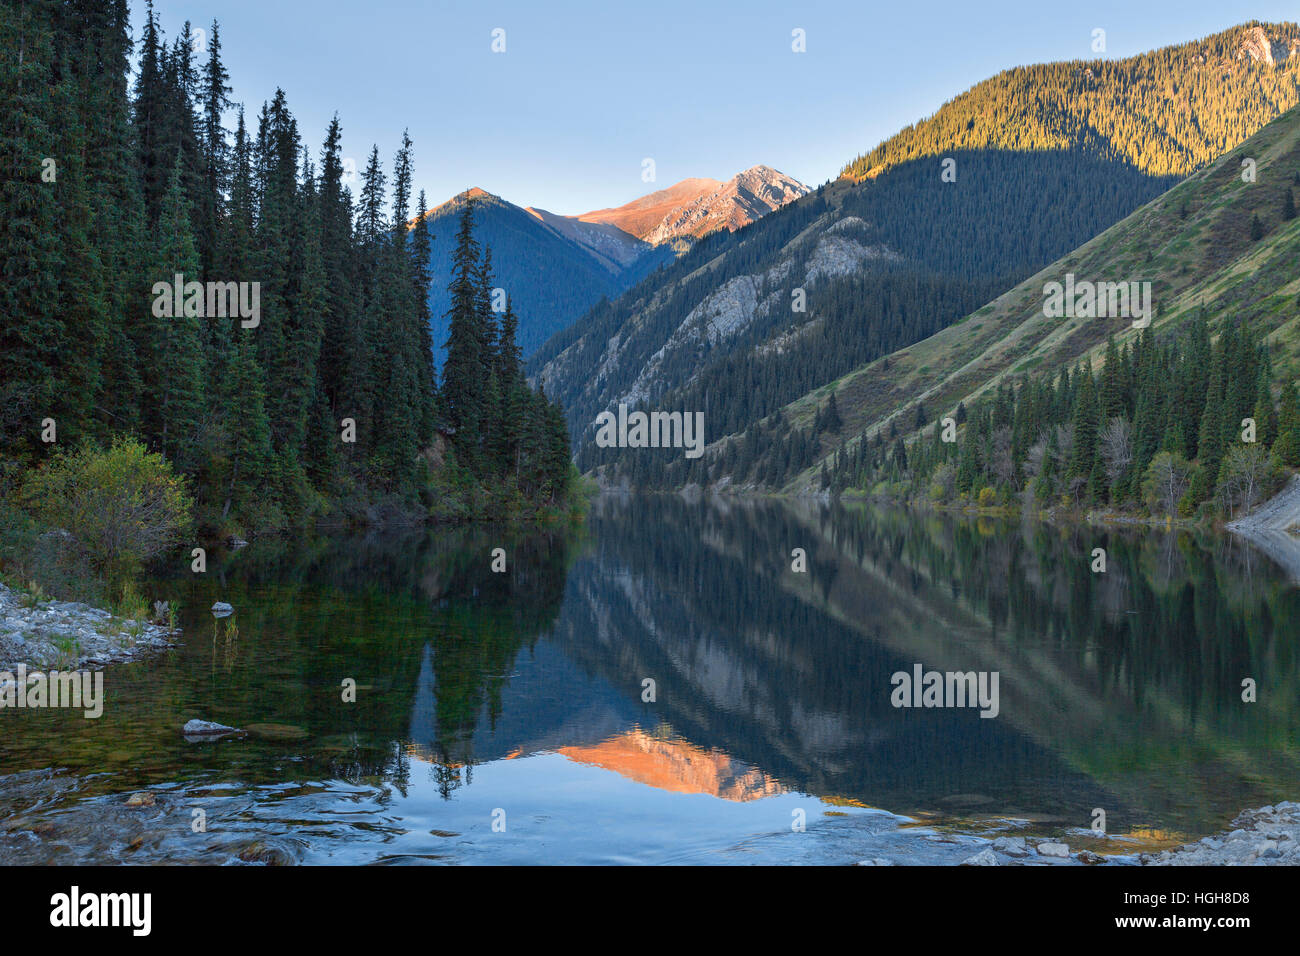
[[501, 718]]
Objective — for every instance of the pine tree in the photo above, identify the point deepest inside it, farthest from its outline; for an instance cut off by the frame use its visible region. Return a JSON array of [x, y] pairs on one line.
[[463, 372], [1287, 446], [215, 99], [1085, 422], [177, 386], [242, 404], [421, 246], [833, 422], [148, 188]]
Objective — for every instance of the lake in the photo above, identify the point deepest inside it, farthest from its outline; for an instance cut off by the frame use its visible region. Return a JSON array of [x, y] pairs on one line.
[[661, 686]]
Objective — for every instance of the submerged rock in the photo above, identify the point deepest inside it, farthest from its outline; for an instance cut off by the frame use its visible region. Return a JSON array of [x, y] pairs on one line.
[[268, 854], [204, 729], [277, 731], [222, 609]]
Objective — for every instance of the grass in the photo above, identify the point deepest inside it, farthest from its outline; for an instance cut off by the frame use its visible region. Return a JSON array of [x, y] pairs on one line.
[[69, 650], [131, 604], [32, 596]]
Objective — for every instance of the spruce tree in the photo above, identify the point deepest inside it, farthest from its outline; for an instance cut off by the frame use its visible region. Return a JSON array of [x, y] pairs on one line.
[[177, 385], [463, 372]]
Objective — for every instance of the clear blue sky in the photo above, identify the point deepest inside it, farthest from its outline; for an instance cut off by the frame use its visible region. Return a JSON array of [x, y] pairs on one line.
[[584, 91]]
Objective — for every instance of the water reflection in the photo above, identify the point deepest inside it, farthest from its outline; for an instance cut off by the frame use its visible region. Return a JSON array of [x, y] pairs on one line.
[[528, 693]]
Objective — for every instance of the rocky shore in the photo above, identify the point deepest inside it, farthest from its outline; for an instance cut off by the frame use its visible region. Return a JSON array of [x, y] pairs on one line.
[[1268, 836], [1273, 528], [61, 634]]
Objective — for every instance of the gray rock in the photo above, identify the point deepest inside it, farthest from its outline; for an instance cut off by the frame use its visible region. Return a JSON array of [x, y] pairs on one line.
[[1011, 846], [1056, 850], [222, 609], [201, 728], [985, 857]]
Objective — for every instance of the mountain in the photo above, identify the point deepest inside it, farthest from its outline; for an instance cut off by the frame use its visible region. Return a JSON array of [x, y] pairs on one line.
[[697, 207], [613, 248], [1197, 244], [925, 229], [553, 268], [1182, 106], [643, 216], [556, 267]]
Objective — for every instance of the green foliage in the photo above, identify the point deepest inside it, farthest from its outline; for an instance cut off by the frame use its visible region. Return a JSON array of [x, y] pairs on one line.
[[1164, 484], [123, 506], [1158, 433]]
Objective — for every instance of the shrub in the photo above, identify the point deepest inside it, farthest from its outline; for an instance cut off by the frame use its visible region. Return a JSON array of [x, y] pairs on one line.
[[987, 497], [1166, 481], [122, 506]]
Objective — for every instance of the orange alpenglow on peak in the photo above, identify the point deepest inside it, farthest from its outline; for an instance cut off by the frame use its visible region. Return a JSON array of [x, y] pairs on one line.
[[697, 207], [676, 766]]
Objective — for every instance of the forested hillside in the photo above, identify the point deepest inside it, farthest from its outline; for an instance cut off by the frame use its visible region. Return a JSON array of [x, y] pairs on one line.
[[1199, 411], [1085, 411], [883, 262], [1167, 112], [222, 296]]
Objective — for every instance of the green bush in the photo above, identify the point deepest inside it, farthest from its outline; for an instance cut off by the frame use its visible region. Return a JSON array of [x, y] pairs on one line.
[[123, 506]]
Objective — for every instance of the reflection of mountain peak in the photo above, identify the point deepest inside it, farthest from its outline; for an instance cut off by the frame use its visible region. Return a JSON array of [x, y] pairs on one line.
[[676, 766]]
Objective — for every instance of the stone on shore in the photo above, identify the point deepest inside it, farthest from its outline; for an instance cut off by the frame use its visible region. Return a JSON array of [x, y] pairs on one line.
[[1011, 846]]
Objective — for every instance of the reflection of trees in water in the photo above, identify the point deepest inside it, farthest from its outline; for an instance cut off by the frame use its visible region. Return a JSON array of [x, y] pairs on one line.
[[781, 670], [757, 661], [756, 656], [1170, 612], [486, 618], [364, 606], [450, 776]]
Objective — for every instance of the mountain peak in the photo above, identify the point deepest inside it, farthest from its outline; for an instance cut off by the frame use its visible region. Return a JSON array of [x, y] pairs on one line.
[[698, 206], [749, 195], [473, 192]]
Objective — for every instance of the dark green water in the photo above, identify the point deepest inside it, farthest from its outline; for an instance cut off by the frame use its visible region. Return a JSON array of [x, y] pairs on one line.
[[517, 698]]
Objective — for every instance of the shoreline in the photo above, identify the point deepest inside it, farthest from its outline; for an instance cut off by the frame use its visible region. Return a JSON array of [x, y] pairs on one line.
[[67, 635], [1266, 836]]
